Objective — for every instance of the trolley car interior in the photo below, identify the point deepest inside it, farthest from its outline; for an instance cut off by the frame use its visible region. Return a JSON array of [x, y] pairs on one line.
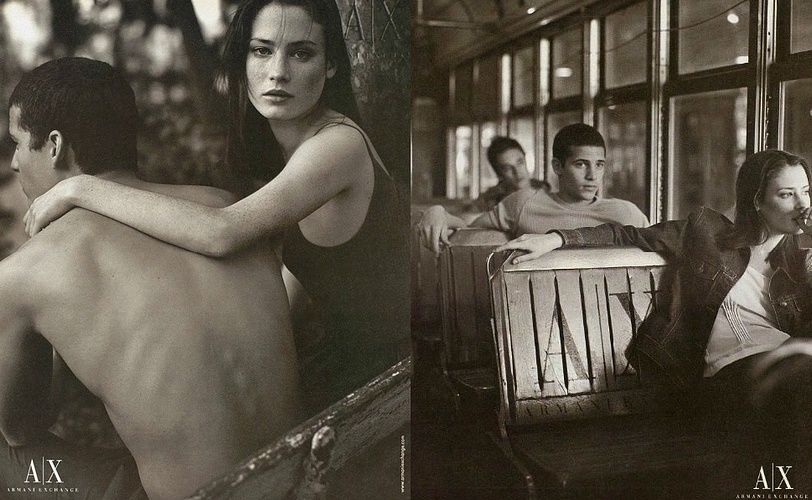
[[521, 388]]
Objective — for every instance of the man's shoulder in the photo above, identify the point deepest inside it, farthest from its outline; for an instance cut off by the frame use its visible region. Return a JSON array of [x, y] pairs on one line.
[[22, 272], [620, 202], [521, 196], [55, 245], [622, 211], [623, 205]]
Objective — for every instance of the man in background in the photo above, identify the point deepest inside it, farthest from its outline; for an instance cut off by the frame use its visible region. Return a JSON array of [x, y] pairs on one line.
[[508, 160]]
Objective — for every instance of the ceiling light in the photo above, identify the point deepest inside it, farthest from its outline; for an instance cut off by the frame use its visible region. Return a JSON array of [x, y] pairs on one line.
[[733, 18], [563, 72]]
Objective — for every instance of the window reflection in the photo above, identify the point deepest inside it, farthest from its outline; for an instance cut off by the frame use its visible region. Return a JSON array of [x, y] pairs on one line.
[[624, 130], [797, 122], [555, 122], [487, 177], [625, 46], [708, 139], [567, 64], [710, 36], [462, 160], [801, 26], [521, 129]]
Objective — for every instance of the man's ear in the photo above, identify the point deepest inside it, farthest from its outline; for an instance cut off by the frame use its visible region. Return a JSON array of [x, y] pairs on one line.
[[57, 149], [331, 69], [557, 167]]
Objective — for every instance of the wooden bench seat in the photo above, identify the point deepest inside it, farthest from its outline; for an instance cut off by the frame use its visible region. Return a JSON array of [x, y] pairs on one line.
[[631, 456], [468, 357], [577, 415]]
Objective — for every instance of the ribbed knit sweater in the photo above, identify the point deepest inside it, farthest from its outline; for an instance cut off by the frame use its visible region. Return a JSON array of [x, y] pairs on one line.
[[531, 211]]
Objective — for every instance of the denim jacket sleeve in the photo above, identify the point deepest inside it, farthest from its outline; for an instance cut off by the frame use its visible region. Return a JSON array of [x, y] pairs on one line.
[[665, 237]]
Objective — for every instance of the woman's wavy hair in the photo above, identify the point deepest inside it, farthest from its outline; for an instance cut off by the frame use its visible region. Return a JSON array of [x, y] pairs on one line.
[[755, 173], [252, 151]]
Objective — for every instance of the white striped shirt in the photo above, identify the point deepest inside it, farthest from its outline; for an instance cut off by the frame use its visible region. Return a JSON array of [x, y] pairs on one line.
[[745, 324]]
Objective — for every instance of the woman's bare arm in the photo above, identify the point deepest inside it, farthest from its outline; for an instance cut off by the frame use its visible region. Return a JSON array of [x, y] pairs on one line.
[[320, 169]]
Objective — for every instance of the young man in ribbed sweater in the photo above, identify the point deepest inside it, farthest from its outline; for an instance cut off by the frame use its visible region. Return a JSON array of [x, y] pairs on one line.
[[579, 160]]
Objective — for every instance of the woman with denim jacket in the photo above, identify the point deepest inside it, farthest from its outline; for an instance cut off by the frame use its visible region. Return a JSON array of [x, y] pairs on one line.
[[734, 321]]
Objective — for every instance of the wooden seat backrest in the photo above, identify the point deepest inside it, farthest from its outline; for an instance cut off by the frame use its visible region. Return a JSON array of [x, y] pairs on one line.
[[425, 279], [324, 443], [562, 324], [466, 306]]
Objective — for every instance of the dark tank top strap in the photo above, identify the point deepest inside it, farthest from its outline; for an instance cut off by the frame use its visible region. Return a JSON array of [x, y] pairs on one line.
[[371, 152]]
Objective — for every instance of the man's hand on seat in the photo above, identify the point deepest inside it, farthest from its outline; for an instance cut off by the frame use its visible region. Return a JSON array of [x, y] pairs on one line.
[[433, 228]]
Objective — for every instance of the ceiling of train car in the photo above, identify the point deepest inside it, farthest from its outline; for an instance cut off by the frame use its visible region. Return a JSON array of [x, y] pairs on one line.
[[446, 31]]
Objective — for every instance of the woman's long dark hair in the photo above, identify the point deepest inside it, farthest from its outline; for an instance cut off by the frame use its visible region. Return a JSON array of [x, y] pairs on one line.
[[755, 173], [252, 151]]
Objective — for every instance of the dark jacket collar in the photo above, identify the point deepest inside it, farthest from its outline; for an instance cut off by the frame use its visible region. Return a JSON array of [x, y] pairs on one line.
[[785, 256]]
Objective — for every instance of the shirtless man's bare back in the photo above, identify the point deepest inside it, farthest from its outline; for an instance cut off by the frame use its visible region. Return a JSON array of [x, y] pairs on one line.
[[193, 357]]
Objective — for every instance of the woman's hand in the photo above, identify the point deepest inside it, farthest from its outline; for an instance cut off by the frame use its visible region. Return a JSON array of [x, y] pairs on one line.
[[535, 245], [50, 206], [804, 220]]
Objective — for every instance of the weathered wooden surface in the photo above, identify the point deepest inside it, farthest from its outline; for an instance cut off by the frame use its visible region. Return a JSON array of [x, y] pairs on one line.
[[378, 38], [562, 326], [465, 298], [639, 456], [299, 466]]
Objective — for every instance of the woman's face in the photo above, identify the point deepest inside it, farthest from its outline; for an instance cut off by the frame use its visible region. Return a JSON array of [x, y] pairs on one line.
[[286, 66], [786, 197]]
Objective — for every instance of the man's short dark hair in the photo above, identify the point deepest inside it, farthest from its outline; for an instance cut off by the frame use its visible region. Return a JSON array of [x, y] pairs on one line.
[[499, 145], [573, 136], [90, 103]]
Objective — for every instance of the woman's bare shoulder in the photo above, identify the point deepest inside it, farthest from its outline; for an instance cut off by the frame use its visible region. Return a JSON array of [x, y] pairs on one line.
[[338, 142]]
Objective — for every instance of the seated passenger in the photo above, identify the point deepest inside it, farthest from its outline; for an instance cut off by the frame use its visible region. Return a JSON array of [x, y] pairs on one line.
[[193, 357], [508, 161], [579, 160], [735, 324]]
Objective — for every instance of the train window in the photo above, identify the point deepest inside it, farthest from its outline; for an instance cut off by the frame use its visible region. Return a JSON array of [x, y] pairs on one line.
[[567, 64], [487, 177], [624, 128], [523, 77], [555, 122], [801, 26], [797, 117], [523, 130], [463, 161], [505, 85], [712, 34], [707, 143], [625, 46], [463, 80], [485, 97]]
